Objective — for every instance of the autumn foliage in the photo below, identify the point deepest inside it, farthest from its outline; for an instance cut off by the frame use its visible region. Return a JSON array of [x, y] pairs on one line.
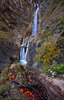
[[47, 52]]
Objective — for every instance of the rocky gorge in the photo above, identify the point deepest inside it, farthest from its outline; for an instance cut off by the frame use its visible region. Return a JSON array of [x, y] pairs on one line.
[[15, 22], [43, 76]]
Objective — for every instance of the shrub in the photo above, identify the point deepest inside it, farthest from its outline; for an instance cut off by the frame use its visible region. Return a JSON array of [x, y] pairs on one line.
[[4, 88], [54, 71], [61, 28], [47, 52], [57, 19]]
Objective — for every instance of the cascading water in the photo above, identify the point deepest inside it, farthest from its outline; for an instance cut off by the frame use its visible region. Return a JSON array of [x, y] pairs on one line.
[[34, 28], [23, 50]]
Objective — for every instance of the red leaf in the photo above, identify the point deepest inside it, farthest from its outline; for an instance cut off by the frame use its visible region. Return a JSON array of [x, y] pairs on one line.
[[51, 82], [59, 89]]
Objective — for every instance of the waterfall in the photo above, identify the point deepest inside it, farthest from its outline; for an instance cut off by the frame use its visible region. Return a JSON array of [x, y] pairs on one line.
[[34, 28], [23, 50]]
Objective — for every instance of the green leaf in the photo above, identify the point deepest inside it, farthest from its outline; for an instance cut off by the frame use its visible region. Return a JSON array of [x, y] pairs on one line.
[[5, 98]]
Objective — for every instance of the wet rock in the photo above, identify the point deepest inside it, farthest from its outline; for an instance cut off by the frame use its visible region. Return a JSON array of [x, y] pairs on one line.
[[34, 43]]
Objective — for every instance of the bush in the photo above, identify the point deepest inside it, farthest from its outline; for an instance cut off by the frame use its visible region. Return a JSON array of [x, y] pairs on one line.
[[47, 52], [4, 88], [54, 71], [57, 19], [61, 28]]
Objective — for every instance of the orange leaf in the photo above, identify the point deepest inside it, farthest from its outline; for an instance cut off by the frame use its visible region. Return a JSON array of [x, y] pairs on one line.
[[28, 91], [13, 77], [15, 70], [9, 74], [30, 80], [22, 90], [28, 95], [44, 93], [14, 67], [25, 92], [10, 79]]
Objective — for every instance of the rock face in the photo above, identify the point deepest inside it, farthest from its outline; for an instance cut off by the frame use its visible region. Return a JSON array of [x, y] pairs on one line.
[[8, 54], [34, 43], [50, 10], [15, 20]]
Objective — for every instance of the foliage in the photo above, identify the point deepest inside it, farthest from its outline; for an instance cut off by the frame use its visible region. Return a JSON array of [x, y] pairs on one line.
[[4, 88], [5, 98], [3, 76], [57, 19], [61, 28], [54, 71], [45, 34], [47, 52], [59, 69]]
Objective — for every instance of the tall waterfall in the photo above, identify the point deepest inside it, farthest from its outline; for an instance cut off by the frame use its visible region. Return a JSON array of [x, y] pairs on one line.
[[23, 50], [34, 28]]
